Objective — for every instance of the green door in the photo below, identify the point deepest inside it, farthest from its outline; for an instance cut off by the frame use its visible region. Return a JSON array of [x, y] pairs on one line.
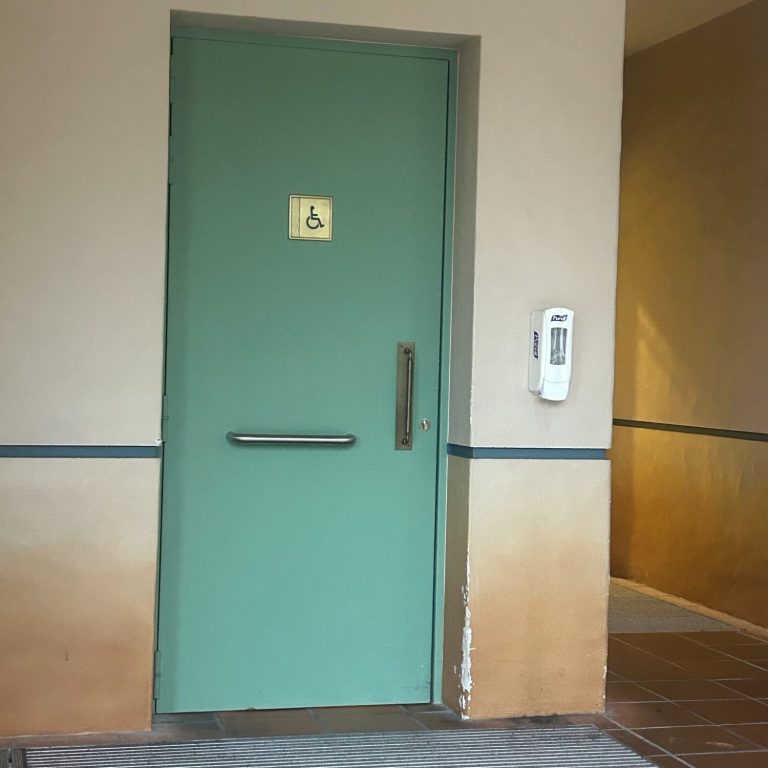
[[298, 575]]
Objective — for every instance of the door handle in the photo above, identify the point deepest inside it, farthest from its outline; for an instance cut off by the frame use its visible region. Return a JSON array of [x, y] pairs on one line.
[[406, 363], [247, 438]]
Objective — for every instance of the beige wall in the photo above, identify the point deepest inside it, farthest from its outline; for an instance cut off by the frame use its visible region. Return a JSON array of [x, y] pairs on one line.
[[83, 192], [77, 583], [538, 586], [83, 184], [691, 321], [83, 89], [527, 612]]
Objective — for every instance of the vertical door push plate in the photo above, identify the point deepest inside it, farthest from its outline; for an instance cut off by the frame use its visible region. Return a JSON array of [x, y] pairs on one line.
[[406, 371]]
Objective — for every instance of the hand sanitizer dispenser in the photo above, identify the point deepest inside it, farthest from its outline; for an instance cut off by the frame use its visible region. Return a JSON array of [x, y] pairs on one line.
[[549, 366]]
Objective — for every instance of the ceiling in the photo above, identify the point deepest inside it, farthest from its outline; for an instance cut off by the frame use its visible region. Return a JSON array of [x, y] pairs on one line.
[[651, 21]]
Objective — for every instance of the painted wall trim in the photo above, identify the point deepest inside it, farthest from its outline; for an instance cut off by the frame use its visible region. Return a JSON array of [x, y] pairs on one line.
[[709, 431], [80, 451], [469, 452]]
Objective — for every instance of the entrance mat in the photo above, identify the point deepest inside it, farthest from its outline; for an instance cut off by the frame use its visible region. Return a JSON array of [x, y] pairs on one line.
[[564, 747]]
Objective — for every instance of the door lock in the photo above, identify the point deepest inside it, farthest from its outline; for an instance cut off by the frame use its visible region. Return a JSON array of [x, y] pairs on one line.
[[425, 425]]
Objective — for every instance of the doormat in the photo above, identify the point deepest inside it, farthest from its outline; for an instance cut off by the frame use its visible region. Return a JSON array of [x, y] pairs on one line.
[[563, 747]]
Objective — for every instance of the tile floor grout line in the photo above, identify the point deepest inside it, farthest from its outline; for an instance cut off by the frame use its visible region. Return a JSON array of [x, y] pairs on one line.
[[729, 656], [736, 690], [680, 759], [612, 636], [746, 738], [667, 700], [718, 681], [653, 655], [754, 748], [707, 722], [651, 744], [703, 701], [686, 636]]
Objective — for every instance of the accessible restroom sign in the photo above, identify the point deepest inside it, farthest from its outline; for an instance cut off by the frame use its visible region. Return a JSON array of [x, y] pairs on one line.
[[310, 218]]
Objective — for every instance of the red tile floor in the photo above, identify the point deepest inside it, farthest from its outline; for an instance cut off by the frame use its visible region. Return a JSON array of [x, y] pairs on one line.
[[697, 699]]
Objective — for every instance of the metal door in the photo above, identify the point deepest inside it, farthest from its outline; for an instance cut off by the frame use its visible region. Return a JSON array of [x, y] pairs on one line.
[[300, 572]]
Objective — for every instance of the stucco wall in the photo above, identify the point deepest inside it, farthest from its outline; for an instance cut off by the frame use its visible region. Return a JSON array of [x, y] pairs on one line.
[[84, 88], [689, 510], [689, 518], [77, 580], [538, 558]]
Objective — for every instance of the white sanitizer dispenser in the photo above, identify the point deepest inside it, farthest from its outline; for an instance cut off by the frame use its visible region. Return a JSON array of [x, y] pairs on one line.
[[549, 367]]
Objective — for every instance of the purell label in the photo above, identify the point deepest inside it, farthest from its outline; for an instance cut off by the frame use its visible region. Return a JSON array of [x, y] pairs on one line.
[[536, 344], [558, 318]]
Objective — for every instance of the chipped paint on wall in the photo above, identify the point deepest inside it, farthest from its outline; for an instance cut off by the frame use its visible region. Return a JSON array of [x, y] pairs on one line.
[[457, 615], [466, 653]]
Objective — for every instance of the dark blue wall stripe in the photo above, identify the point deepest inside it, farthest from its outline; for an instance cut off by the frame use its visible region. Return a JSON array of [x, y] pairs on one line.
[[153, 452], [79, 451], [687, 429], [468, 452]]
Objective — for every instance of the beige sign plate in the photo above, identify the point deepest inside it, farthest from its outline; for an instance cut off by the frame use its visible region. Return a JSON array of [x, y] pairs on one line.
[[310, 218]]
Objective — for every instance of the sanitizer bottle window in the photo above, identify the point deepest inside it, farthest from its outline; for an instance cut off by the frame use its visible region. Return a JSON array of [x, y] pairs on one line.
[[559, 339]]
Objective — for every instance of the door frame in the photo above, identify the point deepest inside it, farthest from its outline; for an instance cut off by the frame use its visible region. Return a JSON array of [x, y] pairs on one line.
[[450, 56]]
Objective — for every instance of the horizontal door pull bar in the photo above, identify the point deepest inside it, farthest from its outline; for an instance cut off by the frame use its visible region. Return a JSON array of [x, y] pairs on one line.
[[246, 438]]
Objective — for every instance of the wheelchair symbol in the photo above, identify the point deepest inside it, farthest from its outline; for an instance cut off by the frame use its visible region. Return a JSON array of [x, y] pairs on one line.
[[313, 220]]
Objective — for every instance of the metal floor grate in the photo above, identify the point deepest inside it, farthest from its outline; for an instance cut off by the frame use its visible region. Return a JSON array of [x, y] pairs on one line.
[[564, 747]]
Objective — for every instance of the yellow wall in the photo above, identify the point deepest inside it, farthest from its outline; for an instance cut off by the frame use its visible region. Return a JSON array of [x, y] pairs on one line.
[[84, 126], [689, 511], [689, 517]]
